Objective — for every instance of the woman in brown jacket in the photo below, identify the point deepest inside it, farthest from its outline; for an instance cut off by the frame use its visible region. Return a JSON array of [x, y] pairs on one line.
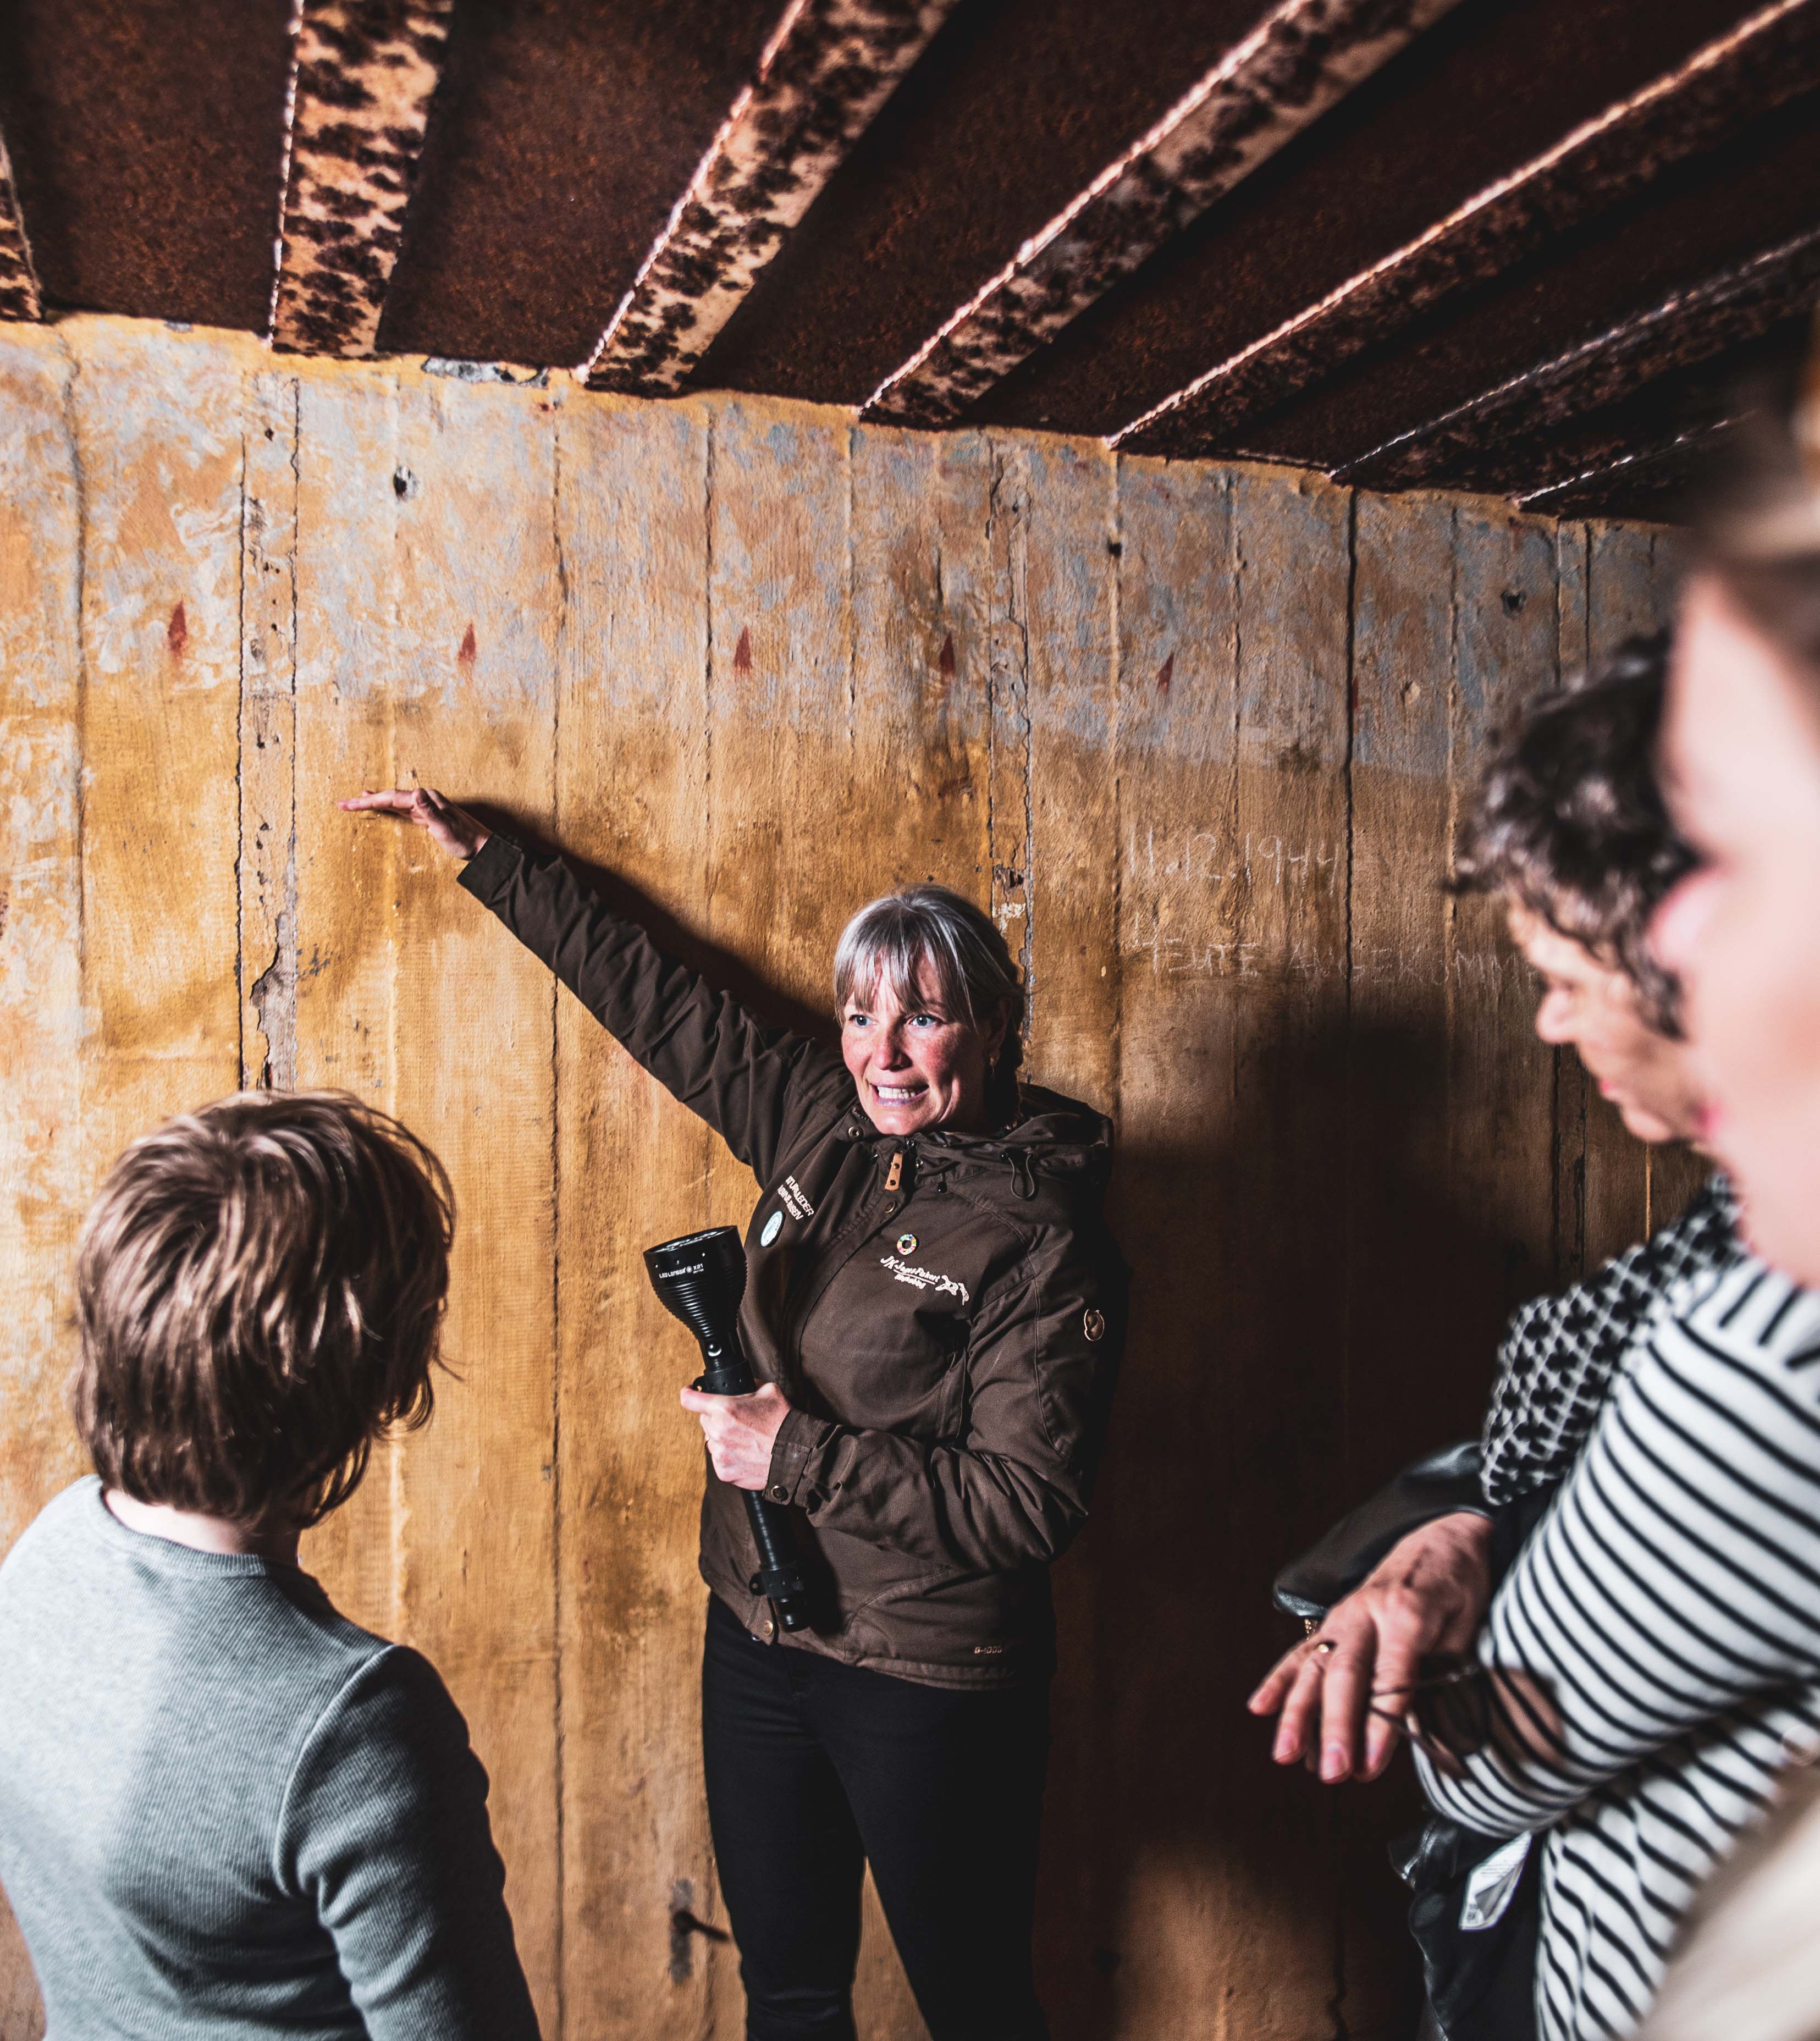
[[934, 1309]]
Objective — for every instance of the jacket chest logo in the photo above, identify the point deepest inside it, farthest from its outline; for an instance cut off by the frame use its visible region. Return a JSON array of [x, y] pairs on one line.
[[922, 1279]]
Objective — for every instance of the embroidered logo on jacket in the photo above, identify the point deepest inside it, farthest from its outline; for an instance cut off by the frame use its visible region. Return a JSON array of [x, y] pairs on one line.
[[794, 1199], [924, 1278]]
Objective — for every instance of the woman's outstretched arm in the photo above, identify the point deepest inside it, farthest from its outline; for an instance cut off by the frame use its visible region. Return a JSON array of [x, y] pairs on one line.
[[743, 1078]]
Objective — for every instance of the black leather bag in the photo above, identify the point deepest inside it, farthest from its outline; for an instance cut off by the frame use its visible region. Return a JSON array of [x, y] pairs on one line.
[[1435, 1485], [1480, 1980], [1477, 1903]]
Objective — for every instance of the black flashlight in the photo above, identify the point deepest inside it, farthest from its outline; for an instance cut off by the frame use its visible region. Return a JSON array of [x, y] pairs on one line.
[[700, 1279]]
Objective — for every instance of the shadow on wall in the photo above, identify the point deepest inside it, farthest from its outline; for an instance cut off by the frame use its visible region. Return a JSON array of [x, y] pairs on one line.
[[1313, 1307], [724, 967]]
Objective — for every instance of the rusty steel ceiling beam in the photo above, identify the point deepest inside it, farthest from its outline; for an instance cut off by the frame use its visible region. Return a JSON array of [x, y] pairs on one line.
[[19, 296], [1768, 59], [364, 74], [828, 68], [1589, 485], [1299, 60], [1688, 327]]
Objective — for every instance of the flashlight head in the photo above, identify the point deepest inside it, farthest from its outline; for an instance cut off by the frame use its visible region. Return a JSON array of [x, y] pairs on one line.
[[700, 1279]]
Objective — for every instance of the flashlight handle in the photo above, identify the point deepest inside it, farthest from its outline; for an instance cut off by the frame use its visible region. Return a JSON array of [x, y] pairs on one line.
[[779, 1577]]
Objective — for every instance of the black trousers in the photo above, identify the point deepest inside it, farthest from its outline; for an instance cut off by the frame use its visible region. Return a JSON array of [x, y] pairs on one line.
[[815, 1769]]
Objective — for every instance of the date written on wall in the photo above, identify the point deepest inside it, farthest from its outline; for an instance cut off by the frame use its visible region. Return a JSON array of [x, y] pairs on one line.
[[1204, 857]]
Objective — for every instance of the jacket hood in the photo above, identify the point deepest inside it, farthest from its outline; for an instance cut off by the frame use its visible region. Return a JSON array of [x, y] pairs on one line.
[[1054, 1136]]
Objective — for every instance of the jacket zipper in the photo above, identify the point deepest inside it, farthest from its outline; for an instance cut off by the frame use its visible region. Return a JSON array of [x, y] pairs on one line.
[[860, 1227]]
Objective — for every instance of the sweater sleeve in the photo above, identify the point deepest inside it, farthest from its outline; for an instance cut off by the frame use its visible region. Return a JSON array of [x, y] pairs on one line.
[[1014, 1491], [701, 1045], [1562, 1353], [384, 1827]]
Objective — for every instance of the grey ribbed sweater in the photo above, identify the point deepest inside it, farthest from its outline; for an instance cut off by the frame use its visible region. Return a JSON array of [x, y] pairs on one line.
[[226, 1811]]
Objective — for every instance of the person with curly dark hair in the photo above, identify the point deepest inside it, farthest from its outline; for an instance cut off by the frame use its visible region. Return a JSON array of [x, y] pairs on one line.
[[1571, 828], [1568, 828]]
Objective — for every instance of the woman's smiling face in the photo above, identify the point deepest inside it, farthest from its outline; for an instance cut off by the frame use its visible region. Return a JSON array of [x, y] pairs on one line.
[[917, 1065]]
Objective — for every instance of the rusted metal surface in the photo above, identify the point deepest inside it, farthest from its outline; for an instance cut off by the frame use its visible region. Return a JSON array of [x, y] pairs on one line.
[[1659, 469], [146, 136], [1688, 326], [1770, 57], [1703, 219], [563, 131], [19, 298], [1519, 175], [1485, 90], [1017, 106], [827, 71], [1297, 62], [366, 72]]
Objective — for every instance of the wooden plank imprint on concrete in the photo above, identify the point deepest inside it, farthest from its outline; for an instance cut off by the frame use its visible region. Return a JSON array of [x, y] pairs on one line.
[[1199, 736]]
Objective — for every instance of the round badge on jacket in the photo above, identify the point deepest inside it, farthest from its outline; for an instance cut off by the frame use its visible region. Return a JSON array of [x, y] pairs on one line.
[[906, 1243], [1093, 1326], [773, 1226]]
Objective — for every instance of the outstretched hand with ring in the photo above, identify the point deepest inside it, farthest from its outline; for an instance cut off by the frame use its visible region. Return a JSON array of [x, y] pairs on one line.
[[1429, 1594]]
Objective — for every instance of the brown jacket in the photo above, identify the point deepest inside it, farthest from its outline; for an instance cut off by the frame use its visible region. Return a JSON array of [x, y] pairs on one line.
[[943, 1311]]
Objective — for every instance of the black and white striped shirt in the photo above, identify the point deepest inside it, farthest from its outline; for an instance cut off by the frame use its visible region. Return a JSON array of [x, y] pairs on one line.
[[1669, 1604]]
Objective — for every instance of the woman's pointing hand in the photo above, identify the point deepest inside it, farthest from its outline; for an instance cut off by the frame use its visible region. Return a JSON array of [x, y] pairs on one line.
[[450, 828]]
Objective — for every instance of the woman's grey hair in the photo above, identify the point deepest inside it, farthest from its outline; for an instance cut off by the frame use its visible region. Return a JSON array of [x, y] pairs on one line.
[[887, 942]]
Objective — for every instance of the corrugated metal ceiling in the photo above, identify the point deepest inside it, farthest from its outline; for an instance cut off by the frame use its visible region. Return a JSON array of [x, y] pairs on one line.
[[1524, 245]]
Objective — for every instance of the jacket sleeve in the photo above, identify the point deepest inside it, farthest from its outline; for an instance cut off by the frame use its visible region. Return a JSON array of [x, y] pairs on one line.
[[1014, 1491], [1561, 1353], [384, 1827], [701, 1045]]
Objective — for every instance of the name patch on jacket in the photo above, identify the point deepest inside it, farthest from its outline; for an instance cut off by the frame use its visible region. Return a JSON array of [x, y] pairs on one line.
[[924, 1278], [795, 1201]]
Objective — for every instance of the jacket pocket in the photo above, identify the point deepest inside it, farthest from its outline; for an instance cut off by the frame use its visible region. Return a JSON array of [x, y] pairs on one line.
[[996, 1622]]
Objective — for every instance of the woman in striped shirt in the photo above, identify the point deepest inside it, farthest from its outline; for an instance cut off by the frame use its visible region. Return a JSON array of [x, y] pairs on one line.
[[1657, 1643], [1742, 752], [1661, 1669]]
